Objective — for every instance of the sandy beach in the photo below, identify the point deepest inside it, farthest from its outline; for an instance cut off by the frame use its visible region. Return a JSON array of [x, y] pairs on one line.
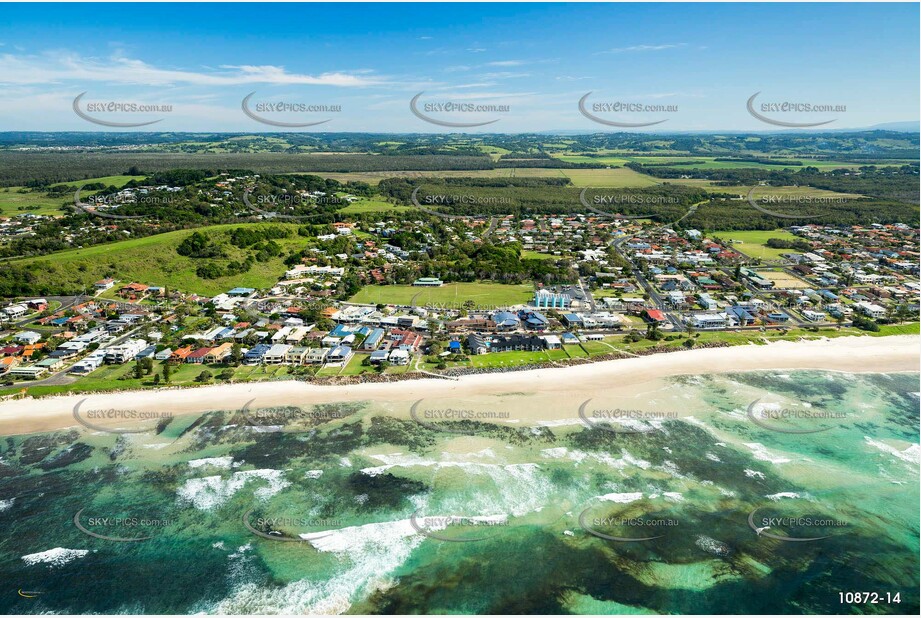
[[619, 380]]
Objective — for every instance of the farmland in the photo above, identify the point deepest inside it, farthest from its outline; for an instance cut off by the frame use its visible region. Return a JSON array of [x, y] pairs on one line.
[[484, 294]]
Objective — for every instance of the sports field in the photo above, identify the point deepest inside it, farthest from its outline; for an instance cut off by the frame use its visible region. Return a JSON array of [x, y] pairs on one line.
[[483, 294], [752, 242]]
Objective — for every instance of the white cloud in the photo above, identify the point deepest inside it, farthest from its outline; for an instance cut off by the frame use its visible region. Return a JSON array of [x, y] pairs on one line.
[[643, 48], [505, 63], [60, 67]]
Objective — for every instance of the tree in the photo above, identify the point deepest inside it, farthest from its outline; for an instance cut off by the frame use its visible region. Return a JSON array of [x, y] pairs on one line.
[[167, 370], [236, 354], [138, 370], [204, 376]]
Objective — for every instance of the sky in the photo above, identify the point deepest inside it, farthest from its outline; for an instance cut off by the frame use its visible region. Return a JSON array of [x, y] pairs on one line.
[[697, 65]]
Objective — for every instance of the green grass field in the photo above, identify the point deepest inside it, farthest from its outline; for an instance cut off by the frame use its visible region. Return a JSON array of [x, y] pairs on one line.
[[536, 255], [484, 294], [752, 242], [117, 181], [17, 201], [372, 205], [153, 260]]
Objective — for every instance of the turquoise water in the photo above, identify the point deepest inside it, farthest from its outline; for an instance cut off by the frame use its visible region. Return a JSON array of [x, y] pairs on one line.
[[404, 518]]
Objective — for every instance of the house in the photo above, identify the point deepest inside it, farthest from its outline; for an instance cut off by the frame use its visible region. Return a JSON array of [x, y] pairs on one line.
[[399, 357], [15, 311], [133, 290], [814, 316], [295, 355], [373, 339], [655, 316], [28, 337], [179, 356], [275, 355], [476, 344], [315, 356], [240, 292], [218, 354], [163, 354], [339, 354], [706, 301], [8, 363], [742, 315], [30, 372], [90, 363], [147, 352], [705, 321], [198, 356], [49, 363], [255, 354], [870, 309], [104, 284], [379, 356], [573, 319], [297, 333], [530, 343], [552, 342], [778, 317]]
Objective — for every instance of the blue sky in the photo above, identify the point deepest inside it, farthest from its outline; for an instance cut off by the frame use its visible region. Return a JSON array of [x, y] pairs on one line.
[[706, 60]]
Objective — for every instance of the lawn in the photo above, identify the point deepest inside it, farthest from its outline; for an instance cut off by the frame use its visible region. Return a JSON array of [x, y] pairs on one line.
[[483, 294], [152, 260], [752, 242], [537, 255]]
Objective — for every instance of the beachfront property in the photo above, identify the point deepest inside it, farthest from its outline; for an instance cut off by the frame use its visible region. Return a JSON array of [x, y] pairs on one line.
[[870, 309], [124, 352], [708, 321]]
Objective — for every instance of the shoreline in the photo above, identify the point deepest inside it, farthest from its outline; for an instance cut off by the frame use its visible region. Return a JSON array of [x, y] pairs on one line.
[[620, 378]]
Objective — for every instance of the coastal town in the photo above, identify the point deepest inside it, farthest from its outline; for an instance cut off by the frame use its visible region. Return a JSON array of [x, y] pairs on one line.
[[639, 288]]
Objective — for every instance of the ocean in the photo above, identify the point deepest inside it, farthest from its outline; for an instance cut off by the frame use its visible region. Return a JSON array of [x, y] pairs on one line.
[[760, 492]]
